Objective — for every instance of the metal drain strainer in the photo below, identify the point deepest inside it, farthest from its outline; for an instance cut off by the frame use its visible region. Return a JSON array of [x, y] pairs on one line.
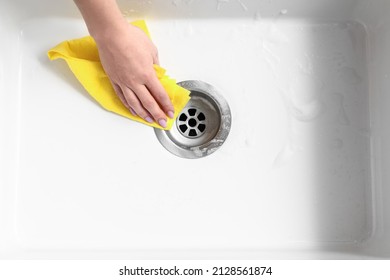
[[192, 122], [203, 125]]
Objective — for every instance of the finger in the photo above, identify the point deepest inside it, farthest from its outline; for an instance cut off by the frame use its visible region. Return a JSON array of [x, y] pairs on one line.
[[134, 103], [119, 92], [151, 105], [160, 95]]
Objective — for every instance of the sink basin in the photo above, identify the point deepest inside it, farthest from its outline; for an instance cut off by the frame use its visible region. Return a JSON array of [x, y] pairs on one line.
[[302, 174]]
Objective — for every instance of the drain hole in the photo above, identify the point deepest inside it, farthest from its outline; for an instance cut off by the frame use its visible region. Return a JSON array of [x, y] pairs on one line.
[[183, 128], [183, 117], [192, 132], [192, 112], [192, 122], [201, 117], [202, 127]]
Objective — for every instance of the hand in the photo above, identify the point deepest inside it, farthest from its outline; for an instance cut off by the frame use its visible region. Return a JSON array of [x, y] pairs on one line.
[[127, 56]]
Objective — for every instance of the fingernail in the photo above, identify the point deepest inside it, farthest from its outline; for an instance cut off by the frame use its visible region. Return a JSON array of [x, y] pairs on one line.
[[171, 114], [162, 122], [149, 119], [133, 112]]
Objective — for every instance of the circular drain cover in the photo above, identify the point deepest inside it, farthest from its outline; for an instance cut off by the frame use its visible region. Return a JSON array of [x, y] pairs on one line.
[[203, 125]]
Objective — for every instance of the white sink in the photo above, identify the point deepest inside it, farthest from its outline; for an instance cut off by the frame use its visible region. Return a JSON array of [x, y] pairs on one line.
[[303, 173]]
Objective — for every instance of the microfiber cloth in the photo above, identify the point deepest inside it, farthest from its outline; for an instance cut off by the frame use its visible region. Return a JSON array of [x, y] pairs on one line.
[[82, 57]]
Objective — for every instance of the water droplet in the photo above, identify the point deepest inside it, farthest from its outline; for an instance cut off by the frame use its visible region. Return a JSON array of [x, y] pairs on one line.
[[285, 154], [258, 16], [269, 53], [307, 112], [176, 2], [305, 98], [243, 6], [342, 117], [284, 12], [349, 76], [220, 3]]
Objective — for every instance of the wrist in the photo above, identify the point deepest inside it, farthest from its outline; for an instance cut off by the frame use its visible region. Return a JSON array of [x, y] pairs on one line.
[[108, 31], [102, 17]]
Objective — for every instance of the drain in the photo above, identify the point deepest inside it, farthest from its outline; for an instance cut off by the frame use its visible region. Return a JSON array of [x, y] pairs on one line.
[[203, 125], [192, 122]]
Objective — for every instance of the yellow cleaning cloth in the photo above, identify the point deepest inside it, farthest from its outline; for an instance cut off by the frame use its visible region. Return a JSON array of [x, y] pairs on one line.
[[82, 57]]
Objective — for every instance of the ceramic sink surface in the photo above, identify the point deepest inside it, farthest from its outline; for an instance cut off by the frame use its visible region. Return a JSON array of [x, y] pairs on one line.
[[301, 175]]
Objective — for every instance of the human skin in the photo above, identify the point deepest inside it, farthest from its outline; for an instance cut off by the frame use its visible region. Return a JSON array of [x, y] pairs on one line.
[[127, 56]]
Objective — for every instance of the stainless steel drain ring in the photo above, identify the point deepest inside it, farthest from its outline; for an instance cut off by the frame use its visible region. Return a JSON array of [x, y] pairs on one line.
[[203, 125]]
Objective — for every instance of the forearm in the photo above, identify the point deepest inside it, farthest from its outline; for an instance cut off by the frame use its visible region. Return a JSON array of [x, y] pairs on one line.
[[102, 17]]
